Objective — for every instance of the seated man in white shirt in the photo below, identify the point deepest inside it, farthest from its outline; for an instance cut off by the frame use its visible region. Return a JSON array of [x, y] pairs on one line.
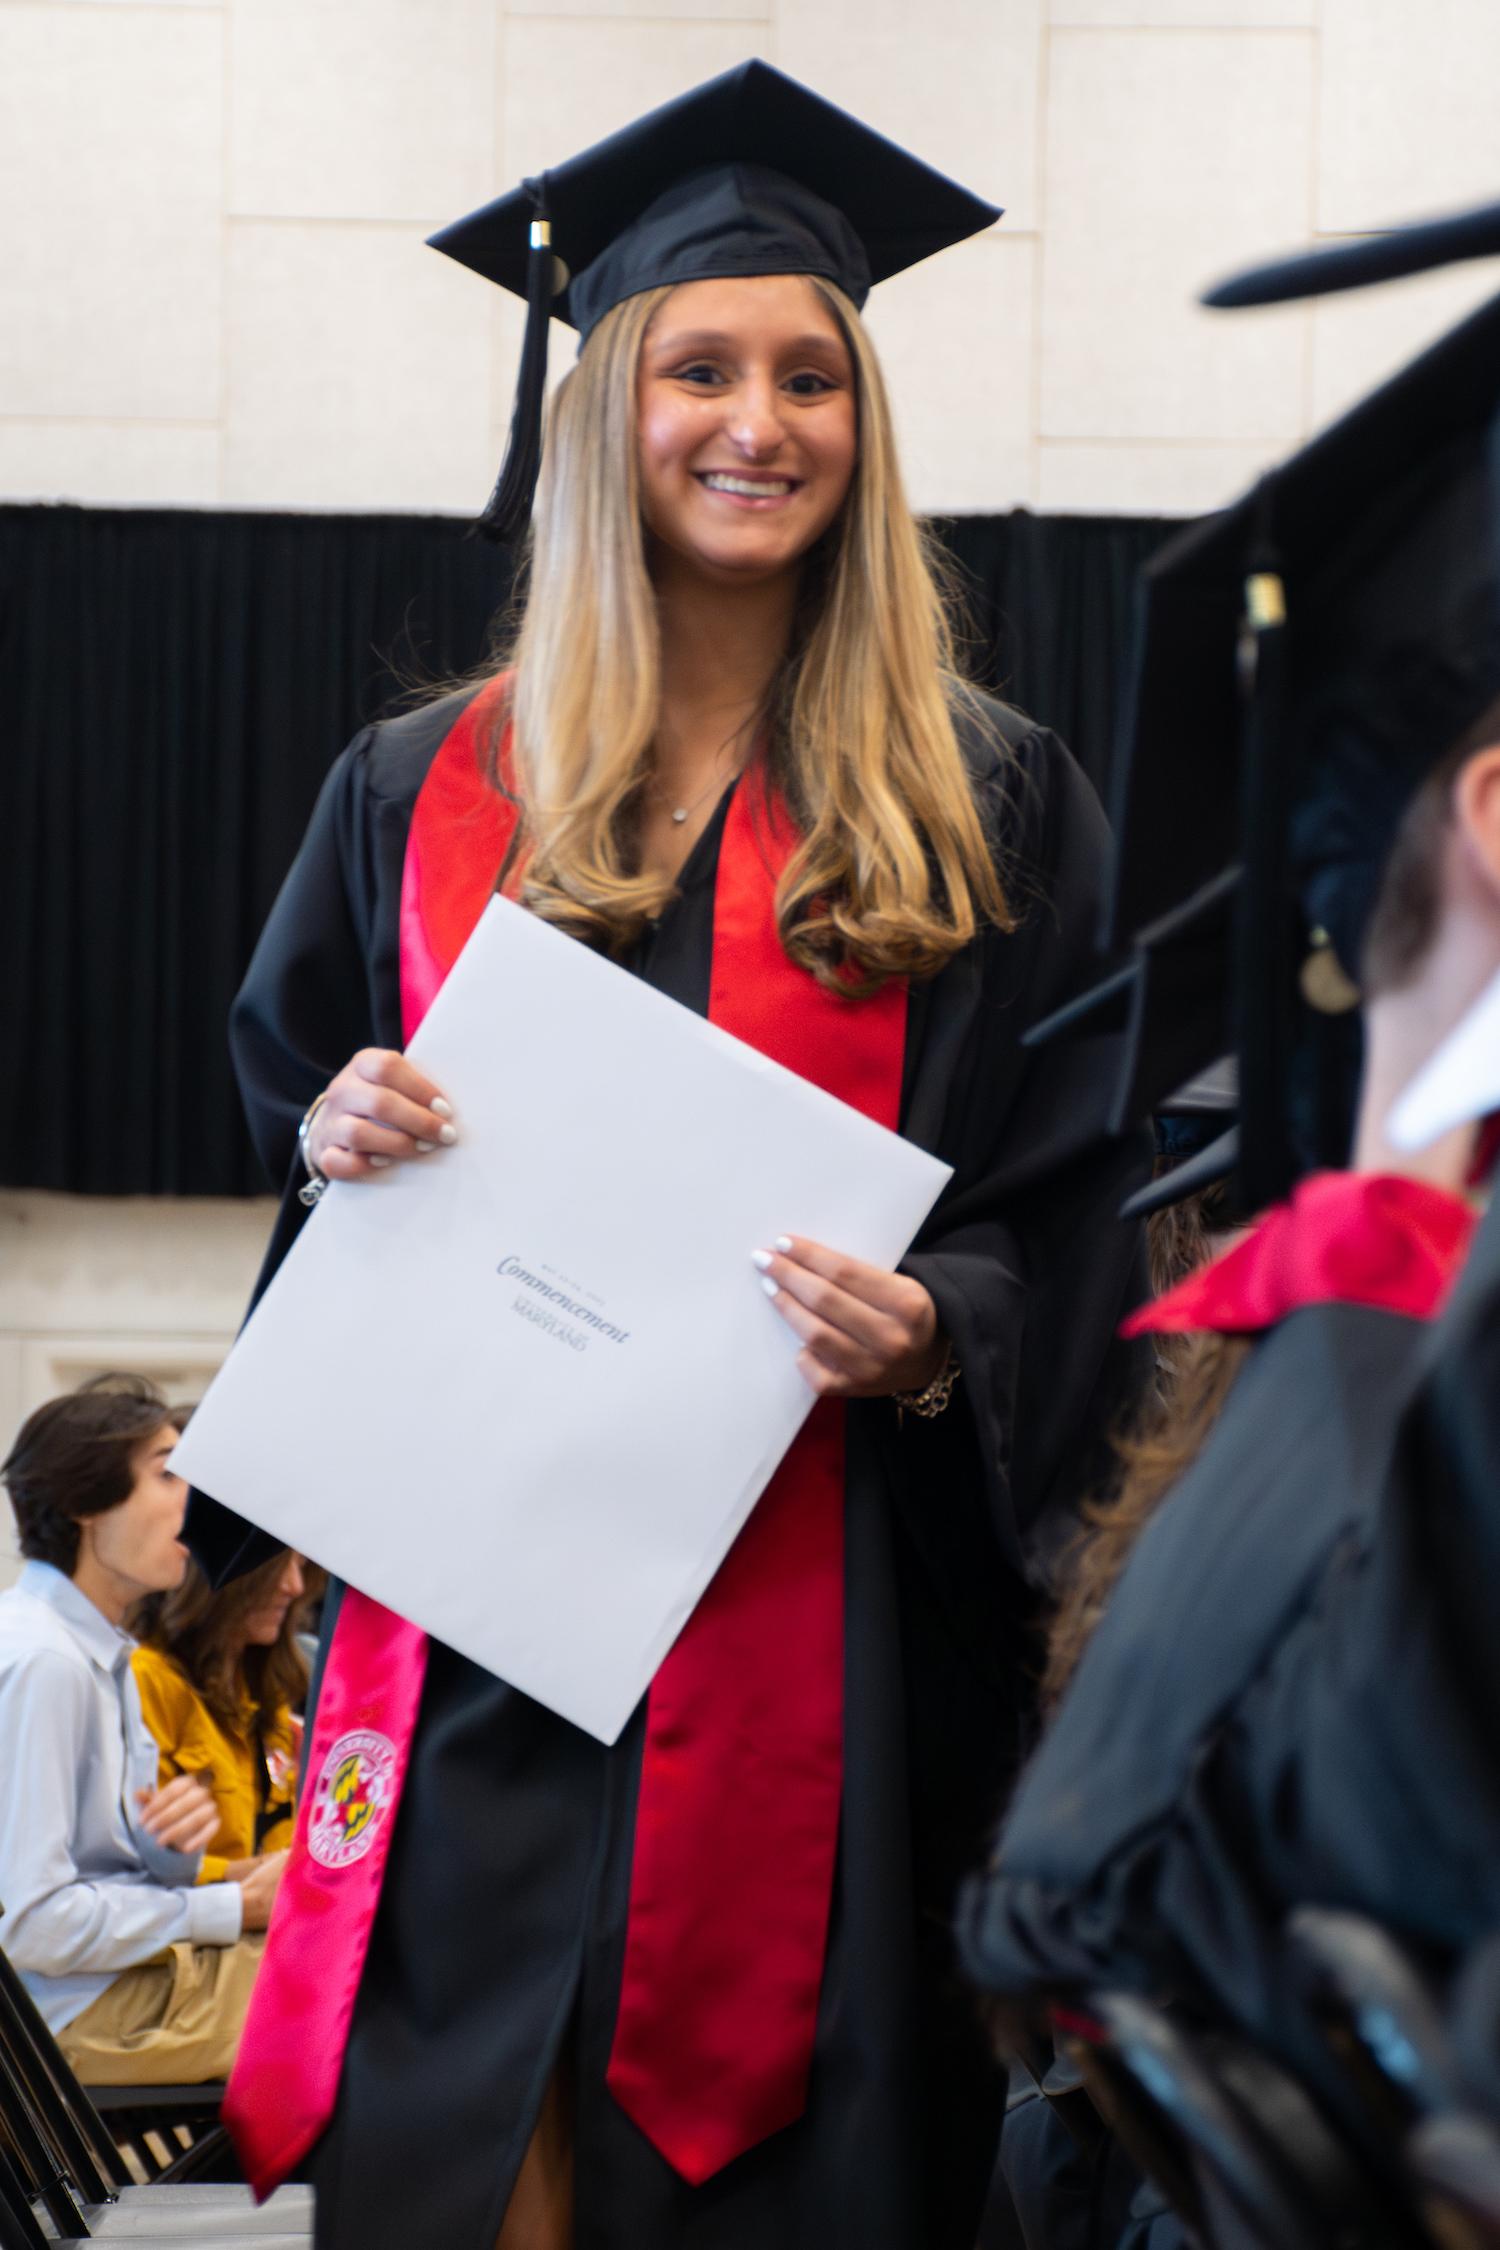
[[142, 1973]]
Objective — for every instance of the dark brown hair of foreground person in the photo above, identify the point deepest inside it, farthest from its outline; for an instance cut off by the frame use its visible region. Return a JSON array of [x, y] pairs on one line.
[[1195, 1374], [74, 1457]]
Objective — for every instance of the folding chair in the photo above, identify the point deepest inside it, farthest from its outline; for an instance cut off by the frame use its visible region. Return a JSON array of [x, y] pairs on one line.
[[63, 2160], [1455, 2162], [18, 2226], [1379, 2015], [42, 2203], [1386, 2020], [172, 2132], [76, 2117], [1231, 2139], [1143, 2128]]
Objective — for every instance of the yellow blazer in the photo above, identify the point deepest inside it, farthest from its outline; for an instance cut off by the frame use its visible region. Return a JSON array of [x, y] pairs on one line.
[[256, 1798]]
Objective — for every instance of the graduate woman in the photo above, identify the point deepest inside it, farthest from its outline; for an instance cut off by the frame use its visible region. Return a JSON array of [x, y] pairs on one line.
[[695, 1989]]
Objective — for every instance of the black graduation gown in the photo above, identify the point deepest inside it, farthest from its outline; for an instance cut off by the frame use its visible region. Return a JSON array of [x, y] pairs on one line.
[[1271, 1711], [1453, 1454], [498, 1944], [1453, 1451]]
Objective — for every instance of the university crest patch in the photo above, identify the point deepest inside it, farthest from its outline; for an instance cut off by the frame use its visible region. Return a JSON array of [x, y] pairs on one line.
[[351, 1798]]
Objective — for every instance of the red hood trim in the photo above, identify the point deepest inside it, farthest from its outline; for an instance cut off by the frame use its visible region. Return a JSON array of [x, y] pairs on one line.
[[1342, 1238]]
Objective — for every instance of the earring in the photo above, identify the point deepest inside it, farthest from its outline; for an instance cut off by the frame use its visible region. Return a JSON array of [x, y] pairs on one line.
[[1325, 983]]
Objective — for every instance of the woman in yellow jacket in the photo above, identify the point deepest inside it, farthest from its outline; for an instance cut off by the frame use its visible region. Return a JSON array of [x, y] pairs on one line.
[[221, 1677]]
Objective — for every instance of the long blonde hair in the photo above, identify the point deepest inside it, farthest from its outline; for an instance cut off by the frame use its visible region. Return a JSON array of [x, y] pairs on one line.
[[894, 873]]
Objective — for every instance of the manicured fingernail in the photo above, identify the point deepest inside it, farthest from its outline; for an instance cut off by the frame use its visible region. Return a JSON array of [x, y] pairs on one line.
[[762, 1258], [379, 1163], [439, 1107], [770, 1288], [425, 1148], [783, 1242], [447, 1136]]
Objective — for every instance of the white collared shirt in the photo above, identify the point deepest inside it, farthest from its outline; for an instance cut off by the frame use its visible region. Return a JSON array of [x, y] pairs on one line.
[[84, 1891]]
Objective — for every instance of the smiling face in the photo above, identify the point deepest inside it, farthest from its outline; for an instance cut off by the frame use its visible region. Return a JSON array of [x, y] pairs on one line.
[[747, 424]]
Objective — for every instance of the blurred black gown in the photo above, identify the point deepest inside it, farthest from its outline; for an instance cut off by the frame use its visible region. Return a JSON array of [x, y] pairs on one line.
[[1454, 1450], [1292, 1695], [497, 1947]]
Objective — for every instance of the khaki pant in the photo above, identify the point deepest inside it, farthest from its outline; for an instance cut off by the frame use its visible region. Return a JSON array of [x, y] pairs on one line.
[[173, 2021]]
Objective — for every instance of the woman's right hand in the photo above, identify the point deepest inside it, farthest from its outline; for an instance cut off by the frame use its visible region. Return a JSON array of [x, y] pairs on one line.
[[258, 1891], [379, 1111]]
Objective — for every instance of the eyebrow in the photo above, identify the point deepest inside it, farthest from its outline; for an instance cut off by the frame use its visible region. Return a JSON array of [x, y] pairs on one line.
[[716, 339]]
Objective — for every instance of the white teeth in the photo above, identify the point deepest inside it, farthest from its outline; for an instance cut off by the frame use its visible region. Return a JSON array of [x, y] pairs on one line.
[[768, 488]]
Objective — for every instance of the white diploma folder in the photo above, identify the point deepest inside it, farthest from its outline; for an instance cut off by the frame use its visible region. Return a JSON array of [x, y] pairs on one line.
[[526, 1391]]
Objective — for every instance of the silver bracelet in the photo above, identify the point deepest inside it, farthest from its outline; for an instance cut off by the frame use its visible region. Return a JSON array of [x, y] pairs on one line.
[[317, 1182]]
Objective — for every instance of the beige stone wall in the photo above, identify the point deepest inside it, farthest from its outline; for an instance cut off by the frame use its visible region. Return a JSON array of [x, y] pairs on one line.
[[214, 290], [90, 1283]]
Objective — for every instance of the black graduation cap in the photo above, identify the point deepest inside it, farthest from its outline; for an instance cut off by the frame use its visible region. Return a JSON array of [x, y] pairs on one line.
[[1417, 247], [750, 173], [1307, 658], [1197, 1140]]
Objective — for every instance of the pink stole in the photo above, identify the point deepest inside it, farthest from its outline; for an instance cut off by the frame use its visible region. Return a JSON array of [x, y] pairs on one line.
[[737, 1818]]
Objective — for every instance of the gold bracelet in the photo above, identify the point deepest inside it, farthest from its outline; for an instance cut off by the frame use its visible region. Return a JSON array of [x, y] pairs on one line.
[[935, 1397]]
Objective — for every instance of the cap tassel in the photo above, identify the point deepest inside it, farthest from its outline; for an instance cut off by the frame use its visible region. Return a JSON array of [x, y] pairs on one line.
[[507, 512], [1265, 968]]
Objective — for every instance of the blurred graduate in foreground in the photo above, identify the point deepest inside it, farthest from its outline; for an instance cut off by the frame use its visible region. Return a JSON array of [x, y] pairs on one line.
[[1269, 1711]]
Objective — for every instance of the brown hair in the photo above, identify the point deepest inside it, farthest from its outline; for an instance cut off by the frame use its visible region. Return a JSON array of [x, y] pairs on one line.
[[75, 1458], [201, 1629], [894, 873], [1193, 1381]]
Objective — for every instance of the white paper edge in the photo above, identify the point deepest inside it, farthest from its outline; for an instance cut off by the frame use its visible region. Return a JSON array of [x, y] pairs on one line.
[[1458, 1084], [606, 1726]]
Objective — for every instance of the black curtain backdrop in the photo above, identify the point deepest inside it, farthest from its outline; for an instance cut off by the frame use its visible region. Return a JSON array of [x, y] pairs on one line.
[[174, 686]]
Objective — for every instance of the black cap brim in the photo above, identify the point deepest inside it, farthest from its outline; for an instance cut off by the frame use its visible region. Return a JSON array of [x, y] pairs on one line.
[[1177, 798], [1206, 1169], [1214, 1092], [1363, 263]]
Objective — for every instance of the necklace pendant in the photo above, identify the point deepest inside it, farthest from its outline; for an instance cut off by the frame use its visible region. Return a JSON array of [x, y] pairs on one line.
[[679, 814]]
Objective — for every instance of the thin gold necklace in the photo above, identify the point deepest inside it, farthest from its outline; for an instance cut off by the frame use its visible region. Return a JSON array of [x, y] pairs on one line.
[[680, 813]]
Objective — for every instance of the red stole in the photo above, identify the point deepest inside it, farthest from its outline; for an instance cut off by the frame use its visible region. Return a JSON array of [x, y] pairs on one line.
[[1341, 1238], [737, 1818]]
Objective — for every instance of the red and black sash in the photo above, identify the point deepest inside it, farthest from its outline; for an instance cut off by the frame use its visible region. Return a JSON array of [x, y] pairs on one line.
[[741, 1781]]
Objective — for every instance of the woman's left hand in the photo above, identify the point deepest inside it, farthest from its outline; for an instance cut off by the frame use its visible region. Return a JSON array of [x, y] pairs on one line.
[[865, 1332]]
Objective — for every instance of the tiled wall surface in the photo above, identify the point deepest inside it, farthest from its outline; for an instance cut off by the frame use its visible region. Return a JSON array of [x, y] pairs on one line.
[[93, 1284], [215, 292]]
